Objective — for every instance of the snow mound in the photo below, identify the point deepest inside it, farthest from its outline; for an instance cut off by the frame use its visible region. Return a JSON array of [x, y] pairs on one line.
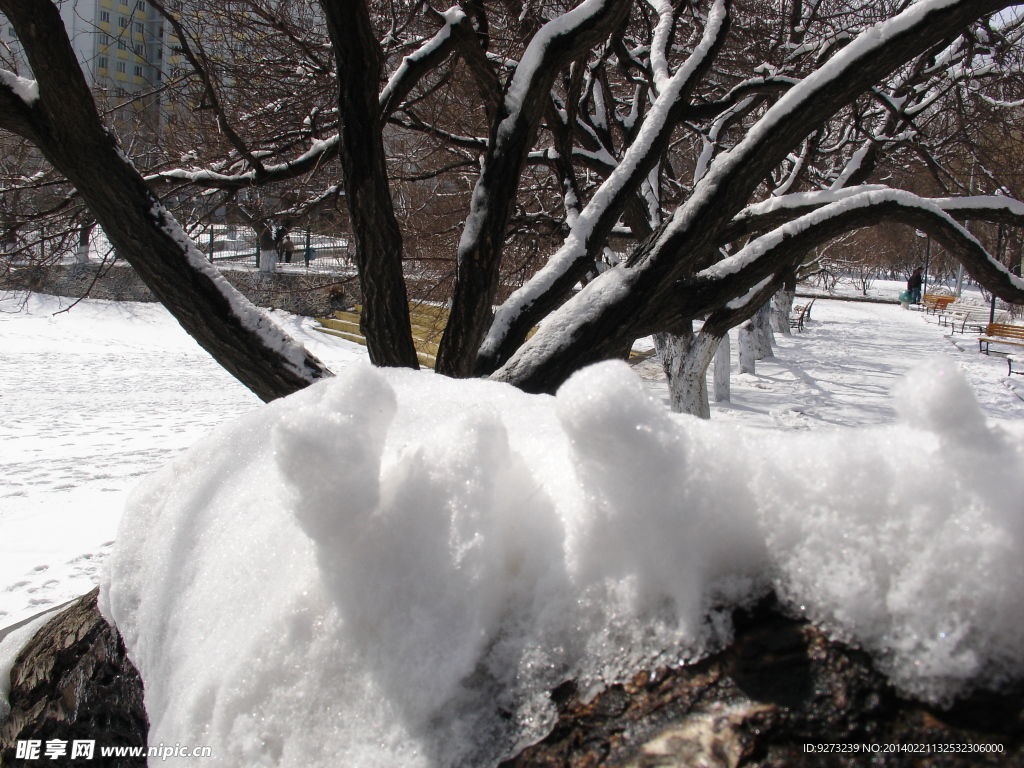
[[392, 568]]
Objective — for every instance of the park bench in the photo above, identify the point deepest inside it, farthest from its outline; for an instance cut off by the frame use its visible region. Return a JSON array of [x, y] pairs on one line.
[[801, 314], [1001, 333], [937, 302], [959, 315], [428, 323]]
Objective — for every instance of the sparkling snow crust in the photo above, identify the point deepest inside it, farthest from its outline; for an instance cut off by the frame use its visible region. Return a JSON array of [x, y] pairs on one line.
[[392, 568]]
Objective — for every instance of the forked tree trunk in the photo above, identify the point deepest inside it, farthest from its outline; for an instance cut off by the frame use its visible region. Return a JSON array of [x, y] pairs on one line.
[[686, 358]]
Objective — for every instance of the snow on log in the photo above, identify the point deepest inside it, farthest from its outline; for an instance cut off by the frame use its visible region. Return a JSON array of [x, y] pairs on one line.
[[430, 557]]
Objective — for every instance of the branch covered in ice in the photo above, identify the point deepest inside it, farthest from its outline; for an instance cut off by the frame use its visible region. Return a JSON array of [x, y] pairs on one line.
[[419, 62], [529, 94], [255, 320], [789, 242], [774, 211]]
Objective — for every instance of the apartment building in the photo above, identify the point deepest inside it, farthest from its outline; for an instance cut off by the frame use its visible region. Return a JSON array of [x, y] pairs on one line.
[[124, 47]]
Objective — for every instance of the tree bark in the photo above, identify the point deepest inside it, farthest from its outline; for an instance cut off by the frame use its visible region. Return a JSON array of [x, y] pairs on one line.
[[763, 337], [74, 680], [685, 358], [782, 683], [384, 320], [782, 307], [746, 343], [723, 371]]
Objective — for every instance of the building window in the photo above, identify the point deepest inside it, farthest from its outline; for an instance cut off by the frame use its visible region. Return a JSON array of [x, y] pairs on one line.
[[138, 71], [104, 39], [139, 27], [122, 21], [140, 4], [121, 46], [103, 62], [10, 31], [121, 67], [105, 16]]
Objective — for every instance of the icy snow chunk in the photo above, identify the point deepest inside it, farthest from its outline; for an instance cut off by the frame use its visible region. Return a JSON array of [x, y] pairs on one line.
[[349, 420], [934, 396], [392, 568], [909, 542], [660, 513]]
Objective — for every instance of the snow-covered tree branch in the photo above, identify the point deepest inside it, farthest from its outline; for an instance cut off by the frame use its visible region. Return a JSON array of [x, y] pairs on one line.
[[67, 130]]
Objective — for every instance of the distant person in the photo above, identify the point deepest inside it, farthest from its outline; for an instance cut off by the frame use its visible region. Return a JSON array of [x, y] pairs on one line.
[[287, 249], [914, 286]]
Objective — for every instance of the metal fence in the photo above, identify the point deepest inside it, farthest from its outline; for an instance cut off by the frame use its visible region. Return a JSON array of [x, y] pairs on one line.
[[238, 247]]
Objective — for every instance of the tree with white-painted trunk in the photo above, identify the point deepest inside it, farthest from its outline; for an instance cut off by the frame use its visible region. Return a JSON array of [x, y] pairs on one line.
[[764, 338], [747, 348], [782, 305], [723, 371]]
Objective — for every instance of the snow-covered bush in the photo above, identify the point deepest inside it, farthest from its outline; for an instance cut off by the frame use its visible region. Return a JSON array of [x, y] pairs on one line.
[[393, 568]]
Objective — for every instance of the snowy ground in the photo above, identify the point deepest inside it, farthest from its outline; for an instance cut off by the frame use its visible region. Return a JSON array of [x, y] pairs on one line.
[[93, 399], [838, 372], [98, 396]]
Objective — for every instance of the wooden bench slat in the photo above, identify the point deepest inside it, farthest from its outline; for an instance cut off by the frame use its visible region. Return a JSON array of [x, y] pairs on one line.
[[1001, 333]]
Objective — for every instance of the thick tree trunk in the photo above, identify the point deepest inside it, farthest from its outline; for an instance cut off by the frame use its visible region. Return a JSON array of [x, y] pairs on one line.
[[385, 317], [685, 358], [63, 123], [780, 685], [763, 336], [746, 344], [74, 681], [782, 307], [723, 371]]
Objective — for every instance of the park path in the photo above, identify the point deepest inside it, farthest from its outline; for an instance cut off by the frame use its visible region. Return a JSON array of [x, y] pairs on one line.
[[840, 370]]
